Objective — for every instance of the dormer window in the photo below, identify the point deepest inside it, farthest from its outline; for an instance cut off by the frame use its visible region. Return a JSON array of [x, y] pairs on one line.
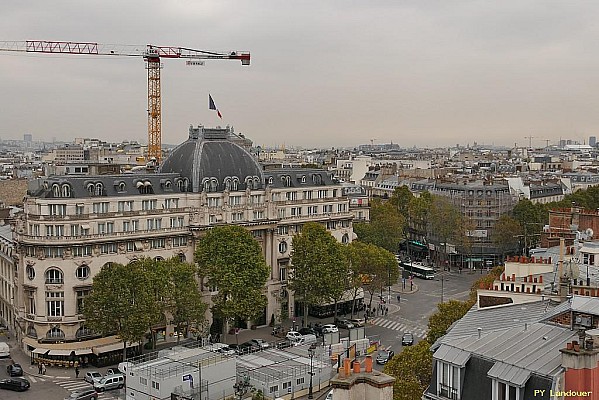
[[256, 182], [249, 183], [270, 180], [90, 188], [55, 190], [227, 183], [235, 184], [99, 190], [66, 190], [206, 185], [182, 184], [317, 179], [303, 179], [168, 185], [286, 179]]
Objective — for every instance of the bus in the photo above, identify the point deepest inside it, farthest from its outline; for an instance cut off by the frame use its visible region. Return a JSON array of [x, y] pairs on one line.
[[344, 305], [418, 269]]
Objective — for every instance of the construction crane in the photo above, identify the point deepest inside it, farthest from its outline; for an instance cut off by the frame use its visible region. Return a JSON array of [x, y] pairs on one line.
[[152, 56]]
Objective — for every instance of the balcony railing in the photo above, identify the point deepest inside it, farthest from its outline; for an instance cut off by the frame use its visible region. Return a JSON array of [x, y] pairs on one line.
[[105, 237], [448, 392]]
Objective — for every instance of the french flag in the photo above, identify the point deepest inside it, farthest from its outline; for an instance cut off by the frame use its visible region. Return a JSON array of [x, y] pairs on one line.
[[212, 106]]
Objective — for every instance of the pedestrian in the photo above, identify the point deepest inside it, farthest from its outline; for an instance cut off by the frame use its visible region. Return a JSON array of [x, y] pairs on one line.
[[77, 372], [39, 368], [398, 298], [43, 369], [386, 311]]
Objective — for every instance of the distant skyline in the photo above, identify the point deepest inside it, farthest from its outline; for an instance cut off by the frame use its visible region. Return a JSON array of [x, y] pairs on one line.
[[323, 74]]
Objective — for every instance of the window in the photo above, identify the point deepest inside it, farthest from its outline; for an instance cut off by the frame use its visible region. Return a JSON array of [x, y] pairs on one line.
[[256, 199], [283, 230], [171, 203], [341, 207], [101, 228], [296, 211], [100, 208], [83, 332], [157, 243], [290, 196], [82, 272], [286, 179], [82, 251], [125, 206], [212, 219], [55, 304], [66, 190], [258, 215], [213, 201], [179, 241], [108, 248], [153, 224], [283, 247], [286, 385], [299, 381], [110, 227], [54, 276], [312, 210], [177, 222], [81, 295], [55, 333], [130, 246], [322, 194], [30, 272], [57, 209], [238, 216], [331, 225], [327, 208], [148, 205], [155, 385], [448, 378], [282, 212], [234, 200], [307, 195], [273, 389], [143, 381], [345, 238], [283, 274], [79, 209]]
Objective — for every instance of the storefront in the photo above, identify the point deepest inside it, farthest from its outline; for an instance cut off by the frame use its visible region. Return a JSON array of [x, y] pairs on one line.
[[97, 352]]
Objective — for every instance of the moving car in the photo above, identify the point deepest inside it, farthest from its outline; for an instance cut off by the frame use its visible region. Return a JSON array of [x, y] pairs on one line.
[[308, 331], [407, 339], [344, 323], [16, 384], [329, 396], [92, 376], [248, 347], [293, 336], [86, 394], [261, 343], [329, 328], [384, 356], [357, 321], [116, 381], [14, 370]]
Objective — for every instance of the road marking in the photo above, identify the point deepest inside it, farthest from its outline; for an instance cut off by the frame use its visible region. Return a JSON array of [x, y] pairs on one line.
[[73, 386], [35, 380], [399, 326]]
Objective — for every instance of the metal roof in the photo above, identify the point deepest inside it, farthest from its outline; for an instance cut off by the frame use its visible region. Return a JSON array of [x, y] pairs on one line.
[[509, 373], [452, 355]]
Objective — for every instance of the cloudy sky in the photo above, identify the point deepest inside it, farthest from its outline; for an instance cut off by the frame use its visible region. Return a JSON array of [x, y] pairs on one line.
[[323, 73]]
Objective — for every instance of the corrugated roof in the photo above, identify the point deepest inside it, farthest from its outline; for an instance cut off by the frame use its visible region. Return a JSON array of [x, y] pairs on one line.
[[579, 304], [509, 373]]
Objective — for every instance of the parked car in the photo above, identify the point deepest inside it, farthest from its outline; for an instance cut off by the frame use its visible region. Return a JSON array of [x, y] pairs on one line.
[[329, 328], [357, 321], [222, 348], [87, 394], [14, 370], [293, 336], [261, 343], [112, 371], [92, 377], [384, 356], [116, 381], [307, 331], [318, 329], [16, 384], [279, 331], [344, 323], [283, 344], [407, 339], [248, 347], [306, 339], [329, 396]]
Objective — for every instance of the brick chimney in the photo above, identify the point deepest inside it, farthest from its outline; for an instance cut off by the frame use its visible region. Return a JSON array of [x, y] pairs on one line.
[[356, 382], [581, 361]]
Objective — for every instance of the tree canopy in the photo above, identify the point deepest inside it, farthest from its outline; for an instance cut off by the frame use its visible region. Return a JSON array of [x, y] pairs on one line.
[[505, 234], [319, 267], [386, 226], [412, 371], [447, 314], [231, 260]]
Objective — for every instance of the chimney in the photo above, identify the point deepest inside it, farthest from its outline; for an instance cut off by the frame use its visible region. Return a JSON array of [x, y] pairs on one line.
[[479, 331], [357, 384]]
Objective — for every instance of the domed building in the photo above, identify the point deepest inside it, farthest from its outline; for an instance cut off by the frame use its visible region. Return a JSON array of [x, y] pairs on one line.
[[72, 226]]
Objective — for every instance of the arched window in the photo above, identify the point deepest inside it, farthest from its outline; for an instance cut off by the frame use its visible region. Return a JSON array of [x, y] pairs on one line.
[[235, 184], [55, 190], [99, 189], [345, 239], [122, 186], [55, 333], [31, 332], [317, 179], [30, 272], [303, 180], [66, 190], [227, 183], [283, 247], [83, 332], [206, 185], [270, 180], [213, 185], [82, 272], [54, 276], [249, 183], [168, 185], [256, 182], [90, 188], [286, 179]]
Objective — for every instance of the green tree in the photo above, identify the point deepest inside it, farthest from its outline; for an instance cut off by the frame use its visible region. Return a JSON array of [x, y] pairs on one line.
[[447, 314], [505, 234], [531, 218], [443, 219], [373, 267], [120, 303], [412, 369], [386, 226], [484, 281], [318, 266], [230, 259], [184, 300]]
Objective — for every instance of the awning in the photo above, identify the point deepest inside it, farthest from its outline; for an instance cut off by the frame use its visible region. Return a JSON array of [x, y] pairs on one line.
[[112, 347], [138, 245], [40, 351], [83, 351], [85, 226], [60, 352]]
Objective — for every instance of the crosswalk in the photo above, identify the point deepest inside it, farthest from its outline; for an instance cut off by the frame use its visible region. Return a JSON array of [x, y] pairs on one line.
[[395, 325], [34, 379], [74, 385]]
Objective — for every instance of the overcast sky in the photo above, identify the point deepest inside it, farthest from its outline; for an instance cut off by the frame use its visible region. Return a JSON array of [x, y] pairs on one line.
[[323, 73]]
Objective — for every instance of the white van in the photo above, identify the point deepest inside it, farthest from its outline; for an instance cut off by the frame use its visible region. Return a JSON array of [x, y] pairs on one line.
[[221, 348], [116, 381], [305, 339], [4, 349]]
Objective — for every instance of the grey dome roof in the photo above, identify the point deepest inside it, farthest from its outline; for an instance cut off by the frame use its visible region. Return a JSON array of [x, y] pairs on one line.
[[210, 160]]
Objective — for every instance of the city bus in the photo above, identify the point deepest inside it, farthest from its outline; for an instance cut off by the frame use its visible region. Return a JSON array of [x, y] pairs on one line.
[[419, 270]]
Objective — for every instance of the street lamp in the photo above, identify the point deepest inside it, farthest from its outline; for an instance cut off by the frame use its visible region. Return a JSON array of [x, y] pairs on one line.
[[311, 351]]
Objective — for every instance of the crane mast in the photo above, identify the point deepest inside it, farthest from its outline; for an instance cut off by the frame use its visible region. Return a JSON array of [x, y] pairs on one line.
[[152, 56]]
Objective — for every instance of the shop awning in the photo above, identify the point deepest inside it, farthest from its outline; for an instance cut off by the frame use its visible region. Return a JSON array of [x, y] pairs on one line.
[[81, 352], [60, 352], [112, 347], [40, 351]]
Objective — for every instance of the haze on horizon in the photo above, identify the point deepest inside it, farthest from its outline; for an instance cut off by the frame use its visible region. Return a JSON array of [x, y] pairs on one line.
[[335, 73]]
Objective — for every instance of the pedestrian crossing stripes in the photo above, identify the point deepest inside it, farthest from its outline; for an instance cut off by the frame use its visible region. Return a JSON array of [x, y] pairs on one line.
[[33, 379], [77, 385], [399, 326]]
